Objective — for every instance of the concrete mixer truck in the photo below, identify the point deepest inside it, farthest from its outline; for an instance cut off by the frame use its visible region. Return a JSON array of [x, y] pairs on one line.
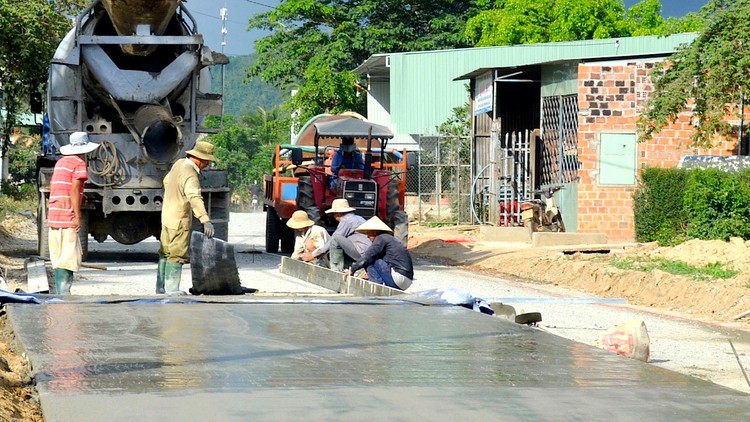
[[135, 76]]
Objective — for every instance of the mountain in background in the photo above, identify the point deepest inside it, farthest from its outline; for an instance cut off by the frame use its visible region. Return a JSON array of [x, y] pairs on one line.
[[242, 97]]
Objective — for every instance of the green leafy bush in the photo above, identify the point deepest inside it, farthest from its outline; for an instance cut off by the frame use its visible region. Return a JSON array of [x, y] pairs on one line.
[[22, 158], [718, 204], [673, 205], [659, 212]]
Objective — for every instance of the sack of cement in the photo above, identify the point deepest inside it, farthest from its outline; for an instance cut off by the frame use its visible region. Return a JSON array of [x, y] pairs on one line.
[[629, 339], [213, 267]]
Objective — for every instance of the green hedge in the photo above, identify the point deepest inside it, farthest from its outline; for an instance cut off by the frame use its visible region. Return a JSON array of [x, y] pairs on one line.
[[673, 205]]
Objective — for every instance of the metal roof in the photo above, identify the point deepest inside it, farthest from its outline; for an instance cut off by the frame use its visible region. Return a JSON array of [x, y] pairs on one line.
[[376, 65], [542, 53], [425, 86]]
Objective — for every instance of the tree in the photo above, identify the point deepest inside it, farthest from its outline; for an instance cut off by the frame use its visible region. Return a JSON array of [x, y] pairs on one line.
[[711, 75], [241, 146], [30, 31], [315, 44], [526, 22], [515, 22]]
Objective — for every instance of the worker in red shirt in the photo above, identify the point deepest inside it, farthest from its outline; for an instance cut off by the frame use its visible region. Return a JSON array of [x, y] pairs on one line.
[[64, 216]]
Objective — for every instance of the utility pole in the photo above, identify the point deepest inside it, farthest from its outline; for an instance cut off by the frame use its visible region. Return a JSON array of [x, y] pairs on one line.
[[223, 12]]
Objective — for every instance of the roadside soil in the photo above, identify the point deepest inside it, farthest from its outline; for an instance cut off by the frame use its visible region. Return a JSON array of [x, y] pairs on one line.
[[18, 400], [714, 301], [721, 301]]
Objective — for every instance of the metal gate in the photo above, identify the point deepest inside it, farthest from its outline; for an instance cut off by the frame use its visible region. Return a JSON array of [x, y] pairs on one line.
[[514, 157], [559, 152]]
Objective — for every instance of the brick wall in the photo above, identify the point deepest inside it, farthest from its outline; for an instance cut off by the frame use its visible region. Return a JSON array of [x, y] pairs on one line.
[[610, 98]]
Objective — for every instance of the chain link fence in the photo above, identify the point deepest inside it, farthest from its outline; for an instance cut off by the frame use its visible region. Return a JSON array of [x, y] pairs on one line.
[[509, 166], [440, 188]]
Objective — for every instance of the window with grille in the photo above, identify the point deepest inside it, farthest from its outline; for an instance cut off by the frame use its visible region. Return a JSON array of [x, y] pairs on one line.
[[559, 149]]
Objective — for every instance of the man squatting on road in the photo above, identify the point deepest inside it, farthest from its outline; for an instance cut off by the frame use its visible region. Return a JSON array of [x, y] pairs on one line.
[[387, 261], [182, 193], [64, 219], [309, 237], [345, 241]]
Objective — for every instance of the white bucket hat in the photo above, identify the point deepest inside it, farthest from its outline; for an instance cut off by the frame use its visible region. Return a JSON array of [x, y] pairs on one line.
[[79, 144], [299, 220], [374, 224], [339, 206]]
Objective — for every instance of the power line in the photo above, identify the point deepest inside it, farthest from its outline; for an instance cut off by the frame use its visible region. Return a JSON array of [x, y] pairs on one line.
[[260, 4], [215, 17]]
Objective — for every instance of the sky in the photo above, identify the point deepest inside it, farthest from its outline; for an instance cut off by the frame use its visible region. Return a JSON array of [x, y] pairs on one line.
[[239, 41]]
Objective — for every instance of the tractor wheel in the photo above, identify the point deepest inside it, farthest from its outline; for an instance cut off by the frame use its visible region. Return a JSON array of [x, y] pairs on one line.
[[392, 202], [42, 230], [400, 223], [272, 230], [305, 199], [287, 238]]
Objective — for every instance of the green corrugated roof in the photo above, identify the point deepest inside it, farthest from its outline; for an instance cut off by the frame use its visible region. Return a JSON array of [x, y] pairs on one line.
[[427, 85]]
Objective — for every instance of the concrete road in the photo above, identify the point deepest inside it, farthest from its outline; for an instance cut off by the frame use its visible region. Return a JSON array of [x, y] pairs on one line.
[[131, 269], [677, 344]]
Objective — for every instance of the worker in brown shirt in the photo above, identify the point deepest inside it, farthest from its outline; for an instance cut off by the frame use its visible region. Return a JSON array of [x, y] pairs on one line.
[[182, 194]]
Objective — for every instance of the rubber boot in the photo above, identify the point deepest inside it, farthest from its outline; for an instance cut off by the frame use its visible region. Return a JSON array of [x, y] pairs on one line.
[[336, 256], [160, 272], [172, 276], [63, 281]]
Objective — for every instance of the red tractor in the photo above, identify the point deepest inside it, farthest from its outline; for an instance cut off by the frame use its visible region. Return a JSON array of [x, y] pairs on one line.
[[302, 178]]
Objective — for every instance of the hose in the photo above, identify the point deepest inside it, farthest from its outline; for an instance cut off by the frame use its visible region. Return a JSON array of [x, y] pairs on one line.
[[471, 196], [106, 165]]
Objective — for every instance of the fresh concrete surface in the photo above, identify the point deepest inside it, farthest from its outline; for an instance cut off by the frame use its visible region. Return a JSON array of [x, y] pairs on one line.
[[679, 345], [336, 360]]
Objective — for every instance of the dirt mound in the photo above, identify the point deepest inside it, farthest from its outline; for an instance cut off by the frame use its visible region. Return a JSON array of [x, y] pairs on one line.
[[17, 234], [719, 301]]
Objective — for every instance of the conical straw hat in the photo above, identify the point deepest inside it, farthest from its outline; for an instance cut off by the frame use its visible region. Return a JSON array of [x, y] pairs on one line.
[[374, 224]]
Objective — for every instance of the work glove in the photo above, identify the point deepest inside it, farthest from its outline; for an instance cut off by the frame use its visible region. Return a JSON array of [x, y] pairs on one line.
[[208, 229]]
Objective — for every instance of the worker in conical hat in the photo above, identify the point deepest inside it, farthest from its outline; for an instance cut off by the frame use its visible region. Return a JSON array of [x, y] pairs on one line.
[[345, 244], [309, 237], [387, 261]]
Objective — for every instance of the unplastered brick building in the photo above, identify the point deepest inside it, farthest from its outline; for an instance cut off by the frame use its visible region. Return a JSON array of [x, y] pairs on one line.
[[611, 97], [543, 115]]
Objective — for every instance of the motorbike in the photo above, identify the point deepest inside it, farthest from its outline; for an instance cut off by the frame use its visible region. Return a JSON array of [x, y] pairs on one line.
[[542, 214]]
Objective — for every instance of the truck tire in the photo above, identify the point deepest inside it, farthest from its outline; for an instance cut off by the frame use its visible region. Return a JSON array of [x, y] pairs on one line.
[[42, 231], [392, 204], [400, 223], [306, 200], [272, 230], [287, 238], [83, 235]]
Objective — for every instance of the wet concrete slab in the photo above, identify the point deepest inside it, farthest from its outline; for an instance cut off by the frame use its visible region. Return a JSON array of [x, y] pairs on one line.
[[331, 359]]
